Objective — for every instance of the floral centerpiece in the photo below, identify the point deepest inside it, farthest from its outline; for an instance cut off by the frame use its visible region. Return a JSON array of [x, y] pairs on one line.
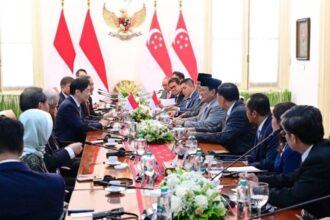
[[155, 132], [194, 196], [126, 87], [141, 113]]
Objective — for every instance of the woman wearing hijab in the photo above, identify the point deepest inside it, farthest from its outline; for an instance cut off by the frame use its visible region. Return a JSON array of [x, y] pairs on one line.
[[38, 127]]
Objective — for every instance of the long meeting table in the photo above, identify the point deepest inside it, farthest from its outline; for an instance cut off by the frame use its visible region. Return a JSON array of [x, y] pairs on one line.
[[87, 196]]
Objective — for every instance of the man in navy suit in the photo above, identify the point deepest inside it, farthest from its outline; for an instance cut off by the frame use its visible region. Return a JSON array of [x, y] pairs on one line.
[[237, 134], [25, 194], [65, 88], [258, 112], [70, 125], [303, 129]]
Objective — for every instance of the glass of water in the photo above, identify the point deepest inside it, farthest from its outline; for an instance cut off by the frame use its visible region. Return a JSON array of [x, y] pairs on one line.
[[215, 167], [259, 195]]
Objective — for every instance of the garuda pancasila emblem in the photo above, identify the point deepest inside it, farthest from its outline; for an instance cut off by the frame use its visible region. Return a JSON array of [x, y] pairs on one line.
[[124, 23]]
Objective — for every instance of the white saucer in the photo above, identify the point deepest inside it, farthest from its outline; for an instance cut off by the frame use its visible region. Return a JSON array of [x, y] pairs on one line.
[[114, 189], [112, 163]]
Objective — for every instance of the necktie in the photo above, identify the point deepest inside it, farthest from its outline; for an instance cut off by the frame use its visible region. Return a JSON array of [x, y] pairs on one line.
[[187, 102], [205, 111], [79, 110], [87, 108]]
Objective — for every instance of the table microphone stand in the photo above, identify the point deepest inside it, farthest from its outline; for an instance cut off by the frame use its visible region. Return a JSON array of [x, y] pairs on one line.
[[249, 151]]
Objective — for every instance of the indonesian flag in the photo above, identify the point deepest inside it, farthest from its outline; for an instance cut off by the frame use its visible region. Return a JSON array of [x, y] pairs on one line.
[[132, 102], [155, 99], [63, 42], [90, 46], [154, 102], [183, 48]]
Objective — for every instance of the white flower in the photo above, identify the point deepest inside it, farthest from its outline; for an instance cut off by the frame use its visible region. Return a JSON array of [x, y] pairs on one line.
[[201, 201], [176, 204], [172, 180], [181, 191]]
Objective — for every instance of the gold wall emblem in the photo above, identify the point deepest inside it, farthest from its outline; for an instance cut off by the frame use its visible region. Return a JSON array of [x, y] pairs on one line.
[[124, 23]]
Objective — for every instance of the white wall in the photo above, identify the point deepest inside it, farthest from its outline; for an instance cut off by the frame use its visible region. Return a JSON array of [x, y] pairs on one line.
[[304, 74], [122, 58]]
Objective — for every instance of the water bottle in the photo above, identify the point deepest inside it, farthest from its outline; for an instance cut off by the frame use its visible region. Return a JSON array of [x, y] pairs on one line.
[[243, 201], [164, 205], [149, 163], [199, 162]]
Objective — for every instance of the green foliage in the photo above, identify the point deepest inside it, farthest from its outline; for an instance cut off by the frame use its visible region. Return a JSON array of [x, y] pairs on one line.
[[8, 102], [274, 96]]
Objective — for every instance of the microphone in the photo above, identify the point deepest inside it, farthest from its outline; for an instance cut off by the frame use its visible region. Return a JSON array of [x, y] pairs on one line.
[[114, 214], [130, 186], [293, 206], [274, 133]]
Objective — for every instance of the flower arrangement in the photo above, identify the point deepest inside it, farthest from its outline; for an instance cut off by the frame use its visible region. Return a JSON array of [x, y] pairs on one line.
[[155, 132], [125, 87], [141, 113], [194, 196]]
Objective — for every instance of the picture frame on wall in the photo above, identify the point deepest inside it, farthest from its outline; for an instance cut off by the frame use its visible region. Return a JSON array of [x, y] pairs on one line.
[[303, 38]]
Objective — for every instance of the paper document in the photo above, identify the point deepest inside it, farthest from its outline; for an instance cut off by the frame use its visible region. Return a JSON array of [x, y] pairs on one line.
[[249, 169], [167, 102]]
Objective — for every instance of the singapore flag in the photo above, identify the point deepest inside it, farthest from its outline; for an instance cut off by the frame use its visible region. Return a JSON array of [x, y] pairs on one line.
[[156, 64]]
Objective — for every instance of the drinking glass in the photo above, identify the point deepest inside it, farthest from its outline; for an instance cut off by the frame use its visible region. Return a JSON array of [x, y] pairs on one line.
[[140, 146], [259, 195], [215, 168]]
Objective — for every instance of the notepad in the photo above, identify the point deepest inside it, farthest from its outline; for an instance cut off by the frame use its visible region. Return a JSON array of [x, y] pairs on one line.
[[167, 102], [249, 169]]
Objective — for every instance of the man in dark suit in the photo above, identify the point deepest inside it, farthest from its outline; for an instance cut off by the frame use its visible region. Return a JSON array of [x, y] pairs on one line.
[[258, 112], [237, 134], [176, 91], [25, 194], [87, 110], [304, 132], [65, 88], [69, 125]]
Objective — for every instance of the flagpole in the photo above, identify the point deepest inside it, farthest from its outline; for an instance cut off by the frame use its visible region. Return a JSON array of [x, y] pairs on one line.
[[180, 4], [88, 4], [155, 4], [62, 4]]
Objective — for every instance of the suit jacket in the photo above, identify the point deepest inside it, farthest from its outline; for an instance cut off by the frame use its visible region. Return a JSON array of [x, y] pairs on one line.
[[194, 111], [69, 125], [311, 180], [164, 95], [208, 117], [56, 157], [237, 134], [287, 161], [179, 98], [189, 103], [87, 109], [29, 195], [264, 156], [62, 98]]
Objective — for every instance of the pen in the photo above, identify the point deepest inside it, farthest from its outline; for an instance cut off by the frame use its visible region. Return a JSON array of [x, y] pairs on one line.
[[79, 211]]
